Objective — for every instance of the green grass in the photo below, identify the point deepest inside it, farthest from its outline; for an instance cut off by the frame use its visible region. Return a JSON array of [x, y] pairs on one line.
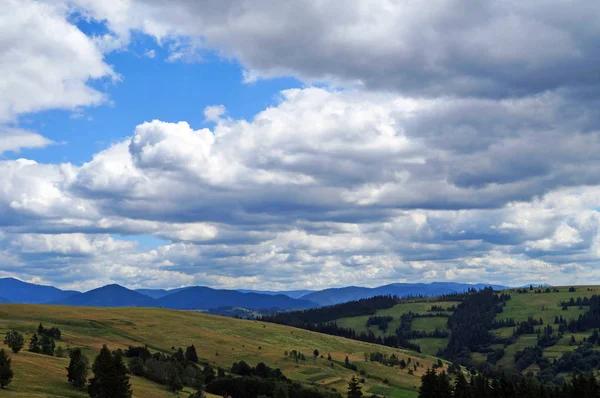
[[218, 340], [359, 323], [392, 392], [430, 345], [429, 324]]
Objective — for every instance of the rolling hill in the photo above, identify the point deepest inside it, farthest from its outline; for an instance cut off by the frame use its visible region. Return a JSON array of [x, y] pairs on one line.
[[350, 293], [219, 341], [546, 319], [204, 298], [22, 292]]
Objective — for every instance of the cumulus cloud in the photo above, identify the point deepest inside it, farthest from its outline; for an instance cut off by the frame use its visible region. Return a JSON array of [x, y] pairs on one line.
[[450, 47], [461, 145], [375, 188], [45, 61]]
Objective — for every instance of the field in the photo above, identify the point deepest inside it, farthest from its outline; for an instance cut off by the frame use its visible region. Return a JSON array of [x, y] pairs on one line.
[[218, 340], [429, 346]]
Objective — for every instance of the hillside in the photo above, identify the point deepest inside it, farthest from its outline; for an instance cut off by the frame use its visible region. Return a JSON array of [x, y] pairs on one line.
[[526, 313], [22, 292], [219, 340]]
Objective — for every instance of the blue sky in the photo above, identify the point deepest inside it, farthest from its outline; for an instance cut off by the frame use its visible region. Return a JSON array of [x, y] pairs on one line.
[[298, 144]]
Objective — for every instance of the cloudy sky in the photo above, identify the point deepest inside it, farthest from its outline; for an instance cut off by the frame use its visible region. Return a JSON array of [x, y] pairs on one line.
[[300, 143]]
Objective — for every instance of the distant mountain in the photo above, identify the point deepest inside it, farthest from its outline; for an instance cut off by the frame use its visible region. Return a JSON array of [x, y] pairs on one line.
[[4, 300], [289, 293], [29, 293], [158, 293], [109, 296], [344, 294], [200, 297]]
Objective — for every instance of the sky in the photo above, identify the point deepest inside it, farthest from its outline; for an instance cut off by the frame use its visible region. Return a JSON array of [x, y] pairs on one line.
[[300, 144]]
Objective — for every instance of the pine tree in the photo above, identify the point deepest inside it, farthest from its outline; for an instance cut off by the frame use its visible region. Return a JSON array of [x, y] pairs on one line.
[[179, 355], [461, 387], [428, 384], [354, 388], [6, 373], [442, 386], [78, 368], [34, 344], [110, 376], [190, 354], [315, 353], [14, 340]]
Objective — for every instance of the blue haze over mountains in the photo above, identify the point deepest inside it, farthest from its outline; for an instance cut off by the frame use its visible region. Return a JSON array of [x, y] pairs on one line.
[[203, 298]]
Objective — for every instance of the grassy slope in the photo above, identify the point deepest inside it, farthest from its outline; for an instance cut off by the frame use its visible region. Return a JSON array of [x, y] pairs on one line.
[[520, 307], [219, 340], [428, 345]]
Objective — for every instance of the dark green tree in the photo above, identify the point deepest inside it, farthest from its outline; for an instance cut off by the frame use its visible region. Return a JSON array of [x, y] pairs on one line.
[[461, 387], [179, 355], [442, 386], [34, 344], [78, 369], [428, 384], [14, 340], [173, 379], [315, 353], [209, 374], [47, 344], [190, 354], [110, 376], [6, 373], [354, 388]]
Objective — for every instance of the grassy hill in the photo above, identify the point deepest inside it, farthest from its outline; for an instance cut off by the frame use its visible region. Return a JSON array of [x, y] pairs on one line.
[[218, 340], [521, 306]]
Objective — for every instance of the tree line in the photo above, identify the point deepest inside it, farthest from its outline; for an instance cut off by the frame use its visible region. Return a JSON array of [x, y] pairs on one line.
[[434, 385]]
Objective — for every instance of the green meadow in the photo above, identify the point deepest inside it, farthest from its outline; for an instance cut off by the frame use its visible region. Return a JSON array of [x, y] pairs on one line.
[[219, 341]]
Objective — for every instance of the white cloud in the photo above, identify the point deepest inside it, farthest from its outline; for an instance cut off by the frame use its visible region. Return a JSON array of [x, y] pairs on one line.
[[370, 191], [449, 47], [214, 113], [45, 61], [15, 139]]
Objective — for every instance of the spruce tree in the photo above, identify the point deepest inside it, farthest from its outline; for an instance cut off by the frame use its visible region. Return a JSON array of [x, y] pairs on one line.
[[34, 344], [461, 387], [442, 386], [428, 384], [78, 368], [14, 340], [190, 354], [47, 344], [6, 373], [110, 376], [354, 388]]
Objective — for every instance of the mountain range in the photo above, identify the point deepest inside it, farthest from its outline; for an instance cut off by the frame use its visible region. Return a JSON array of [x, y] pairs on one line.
[[17, 291], [204, 298], [344, 294]]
